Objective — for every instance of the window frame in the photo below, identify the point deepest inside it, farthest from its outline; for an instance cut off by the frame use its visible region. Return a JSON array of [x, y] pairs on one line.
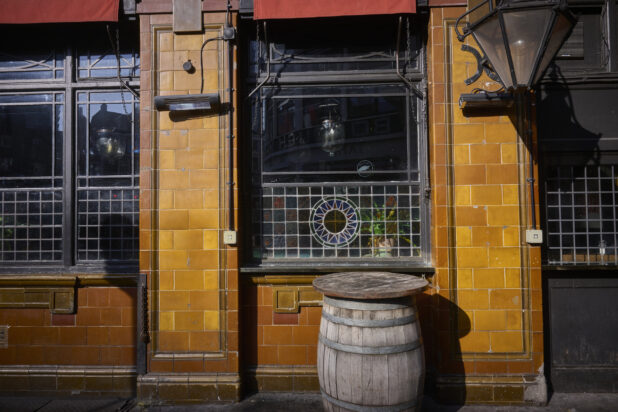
[[70, 85], [415, 84]]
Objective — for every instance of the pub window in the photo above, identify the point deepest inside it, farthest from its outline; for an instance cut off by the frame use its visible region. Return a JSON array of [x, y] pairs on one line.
[[69, 149], [337, 142], [579, 174]]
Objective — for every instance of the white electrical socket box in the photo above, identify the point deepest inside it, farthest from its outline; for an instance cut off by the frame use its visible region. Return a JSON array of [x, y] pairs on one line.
[[229, 237], [534, 236]]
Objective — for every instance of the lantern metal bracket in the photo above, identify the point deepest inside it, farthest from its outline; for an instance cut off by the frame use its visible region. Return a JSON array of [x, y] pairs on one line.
[[485, 100], [482, 64]]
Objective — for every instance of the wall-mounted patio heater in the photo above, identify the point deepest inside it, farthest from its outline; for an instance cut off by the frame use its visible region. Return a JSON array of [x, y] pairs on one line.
[[207, 102]]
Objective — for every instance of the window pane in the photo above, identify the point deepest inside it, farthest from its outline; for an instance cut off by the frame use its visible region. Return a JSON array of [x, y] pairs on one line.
[[30, 225], [588, 229], [107, 180], [104, 55], [338, 222], [105, 134], [26, 122], [31, 209], [18, 65], [338, 134]]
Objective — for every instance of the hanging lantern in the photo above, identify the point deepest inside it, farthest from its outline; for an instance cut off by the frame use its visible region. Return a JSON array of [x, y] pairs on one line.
[[332, 132], [108, 144], [519, 38]]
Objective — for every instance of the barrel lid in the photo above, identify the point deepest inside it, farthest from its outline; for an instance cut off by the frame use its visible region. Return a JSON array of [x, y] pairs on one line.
[[369, 285]]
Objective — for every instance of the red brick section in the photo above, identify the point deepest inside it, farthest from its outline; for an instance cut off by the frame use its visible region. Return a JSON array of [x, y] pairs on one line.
[[277, 339], [101, 332]]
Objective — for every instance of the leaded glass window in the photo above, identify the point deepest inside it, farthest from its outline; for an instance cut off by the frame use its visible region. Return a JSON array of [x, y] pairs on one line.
[[582, 215], [337, 142], [69, 150]]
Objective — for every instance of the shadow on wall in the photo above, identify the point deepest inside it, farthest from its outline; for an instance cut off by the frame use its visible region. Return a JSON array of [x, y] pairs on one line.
[[443, 323]]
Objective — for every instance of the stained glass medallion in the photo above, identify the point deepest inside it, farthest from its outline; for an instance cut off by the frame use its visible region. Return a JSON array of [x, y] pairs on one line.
[[334, 222]]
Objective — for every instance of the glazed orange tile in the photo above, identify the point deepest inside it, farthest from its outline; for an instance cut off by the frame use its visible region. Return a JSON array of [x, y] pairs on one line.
[[505, 299], [488, 278], [173, 259], [485, 153], [204, 219], [193, 320], [278, 335], [490, 320], [506, 341], [174, 300], [208, 341], [486, 195], [473, 299], [211, 319], [502, 215], [188, 199], [204, 299], [292, 355], [203, 259], [188, 280], [172, 341], [470, 174], [470, 215], [188, 239], [475, 342], [504, 257], [502, 174], [267, 355], [486, 236], [305, 335]]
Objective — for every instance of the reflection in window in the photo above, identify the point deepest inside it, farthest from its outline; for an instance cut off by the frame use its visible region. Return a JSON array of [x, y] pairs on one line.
[[68, 175], [31, 180], [108, 159], [17, 65], [337, 135], [93, 64]]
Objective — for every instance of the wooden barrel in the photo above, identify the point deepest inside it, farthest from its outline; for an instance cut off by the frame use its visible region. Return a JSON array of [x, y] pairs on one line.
[[370, 355]]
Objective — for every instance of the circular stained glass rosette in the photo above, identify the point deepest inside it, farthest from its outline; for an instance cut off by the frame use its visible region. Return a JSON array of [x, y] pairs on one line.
[[334, 222]]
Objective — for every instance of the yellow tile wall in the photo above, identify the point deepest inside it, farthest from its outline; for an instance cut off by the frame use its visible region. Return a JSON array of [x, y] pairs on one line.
[[484, 270], [189, 215]]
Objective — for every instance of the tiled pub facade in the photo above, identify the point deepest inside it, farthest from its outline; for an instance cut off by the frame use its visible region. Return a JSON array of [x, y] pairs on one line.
[[216, 332]]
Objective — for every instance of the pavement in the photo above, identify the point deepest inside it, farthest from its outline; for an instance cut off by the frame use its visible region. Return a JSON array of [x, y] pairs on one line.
[[295, 402]]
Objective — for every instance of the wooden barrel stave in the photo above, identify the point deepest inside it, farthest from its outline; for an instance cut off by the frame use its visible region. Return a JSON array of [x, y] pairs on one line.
[[370, 380]]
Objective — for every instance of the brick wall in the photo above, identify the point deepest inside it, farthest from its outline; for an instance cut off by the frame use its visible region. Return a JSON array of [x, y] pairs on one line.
[[101, 332], [279, 349], [90, 352]]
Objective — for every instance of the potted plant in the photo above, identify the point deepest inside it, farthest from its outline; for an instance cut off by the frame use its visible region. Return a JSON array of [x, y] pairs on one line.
[[385, 227]]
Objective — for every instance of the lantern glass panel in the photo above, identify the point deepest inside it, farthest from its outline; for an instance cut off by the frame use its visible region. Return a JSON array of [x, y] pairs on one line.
[[525, 30], [560, 31], [489, 36]]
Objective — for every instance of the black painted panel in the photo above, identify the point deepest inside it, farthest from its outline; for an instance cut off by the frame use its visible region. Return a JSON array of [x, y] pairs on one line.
[[583, 334]]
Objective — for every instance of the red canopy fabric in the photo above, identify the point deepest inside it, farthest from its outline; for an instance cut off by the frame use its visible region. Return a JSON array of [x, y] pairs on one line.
[[296, 9], [57, 11]]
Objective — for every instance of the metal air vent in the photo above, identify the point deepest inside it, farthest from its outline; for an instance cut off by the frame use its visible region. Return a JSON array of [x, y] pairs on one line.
[[4, 336]]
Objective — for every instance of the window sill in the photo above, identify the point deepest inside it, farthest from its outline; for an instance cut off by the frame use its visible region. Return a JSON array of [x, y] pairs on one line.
[[328, 267], [67, 279], [586, 267]]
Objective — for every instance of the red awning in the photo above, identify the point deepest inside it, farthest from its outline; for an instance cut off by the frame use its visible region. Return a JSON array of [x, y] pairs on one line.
[[57, 11], [296, 9]]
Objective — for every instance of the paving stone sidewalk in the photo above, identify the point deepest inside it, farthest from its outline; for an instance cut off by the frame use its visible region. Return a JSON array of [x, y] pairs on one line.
[[295, 402]]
